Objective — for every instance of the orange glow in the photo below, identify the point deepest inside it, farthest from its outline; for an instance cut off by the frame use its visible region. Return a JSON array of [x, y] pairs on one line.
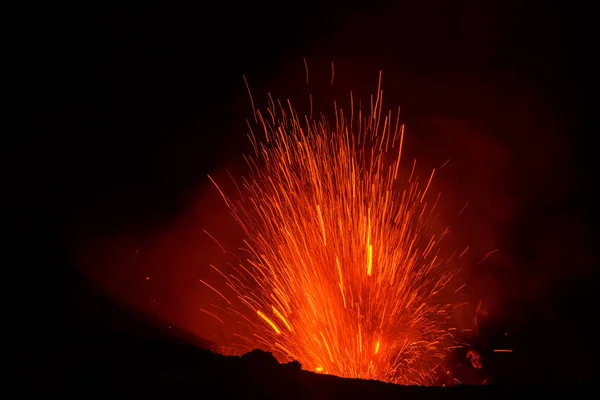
[[342, 253]]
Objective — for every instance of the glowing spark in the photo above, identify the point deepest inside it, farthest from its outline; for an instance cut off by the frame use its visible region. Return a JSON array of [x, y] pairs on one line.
[[341, 283], [369, 248], [319, 369], [428, 183], [268, 321], [282, 318], [369, 258], [215, 290], [332, 73], [502, 351], [377, 348], [305, 68], [487, 255], [212, 315], [327, 346], [215, 240], [322, 224], [460, 288]]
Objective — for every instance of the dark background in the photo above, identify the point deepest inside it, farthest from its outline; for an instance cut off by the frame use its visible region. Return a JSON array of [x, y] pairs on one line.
[[124, 110]]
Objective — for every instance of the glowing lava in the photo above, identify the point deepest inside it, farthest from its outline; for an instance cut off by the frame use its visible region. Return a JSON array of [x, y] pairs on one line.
[[344, 271]]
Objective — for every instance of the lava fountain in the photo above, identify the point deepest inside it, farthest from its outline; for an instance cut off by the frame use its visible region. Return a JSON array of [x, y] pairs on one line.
[[343, 269]]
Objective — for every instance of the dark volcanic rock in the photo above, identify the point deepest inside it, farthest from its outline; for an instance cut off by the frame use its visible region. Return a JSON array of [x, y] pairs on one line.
[[260, 358], [293, 366]]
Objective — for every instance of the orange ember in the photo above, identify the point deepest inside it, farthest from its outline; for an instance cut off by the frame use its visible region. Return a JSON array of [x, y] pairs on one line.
[[344, 271]]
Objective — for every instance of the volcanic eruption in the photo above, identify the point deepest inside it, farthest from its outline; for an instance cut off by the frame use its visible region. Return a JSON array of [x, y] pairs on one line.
[[343, 266]]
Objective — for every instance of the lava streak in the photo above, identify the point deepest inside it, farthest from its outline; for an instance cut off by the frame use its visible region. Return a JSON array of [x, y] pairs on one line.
[[344, 271]]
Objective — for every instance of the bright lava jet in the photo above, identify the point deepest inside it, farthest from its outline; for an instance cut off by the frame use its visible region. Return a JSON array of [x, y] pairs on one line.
[[343, 269]]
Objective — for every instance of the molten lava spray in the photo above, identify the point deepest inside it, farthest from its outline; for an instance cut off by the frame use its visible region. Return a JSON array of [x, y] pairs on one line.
[[344, 271]]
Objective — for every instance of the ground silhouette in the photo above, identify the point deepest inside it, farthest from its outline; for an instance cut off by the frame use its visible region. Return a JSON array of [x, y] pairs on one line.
[[105, 348]]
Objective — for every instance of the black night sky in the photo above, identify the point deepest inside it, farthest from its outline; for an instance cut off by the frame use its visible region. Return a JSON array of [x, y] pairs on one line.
[[126, 109]]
